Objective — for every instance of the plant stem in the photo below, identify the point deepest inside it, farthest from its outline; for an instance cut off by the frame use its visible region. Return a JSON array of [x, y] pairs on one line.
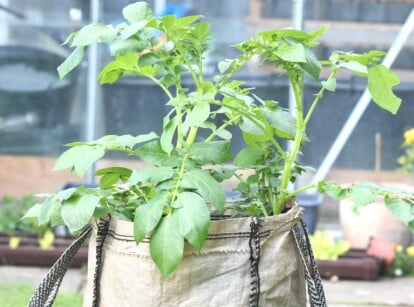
[[244, 59], [191, 69], [174, 194], [191, 135], [297, 85], [302, 189], [301, 124], [162, 86], [257, 123], [317, 99], [223, 126]]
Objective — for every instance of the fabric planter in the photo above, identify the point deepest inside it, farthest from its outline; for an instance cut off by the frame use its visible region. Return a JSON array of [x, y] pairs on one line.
[[244, 262]]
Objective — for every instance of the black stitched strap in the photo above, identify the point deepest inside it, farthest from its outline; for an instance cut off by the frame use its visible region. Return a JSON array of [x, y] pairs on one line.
[[313, 278], [46, 292], [254, 244], [103, 226]]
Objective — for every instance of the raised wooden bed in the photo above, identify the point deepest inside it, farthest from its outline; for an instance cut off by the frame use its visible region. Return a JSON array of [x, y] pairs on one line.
[[355, 264], [30, 254]]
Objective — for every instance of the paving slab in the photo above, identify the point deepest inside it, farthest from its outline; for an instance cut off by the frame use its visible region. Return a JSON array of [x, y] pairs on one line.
[[384, 292], [74, 281], [343, 293]]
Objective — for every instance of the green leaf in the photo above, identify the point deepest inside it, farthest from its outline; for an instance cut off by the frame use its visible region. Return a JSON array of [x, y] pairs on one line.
[[212, 152], [362, 195], [224, 134], [73, 60], [112, 175], [148, 59], [329, 84], [145, 137], [282, 121], [312, 65], [355, 67], [138, 11], [400, 208], [121, 171], [117, 142], [108, 180], [206, 186], [169, 127], [168, 80], [380, 83], [249, 126], [33, 212], [125, 47], [334, 190], [77, 211], [56, 216], [187, 20], [45, 211], [193, 218], [168, 46], [133, 29], [153, 153], [318, 32], [230, 92], [168, 22], [248, 157], [65, 194], [197, 115], [270, 36], [79, 159], [94, 33], [121, 65], [291, 53], [151, 174], [167, 245], [148, 216], [70, 38], [254, 140], [223, 66]]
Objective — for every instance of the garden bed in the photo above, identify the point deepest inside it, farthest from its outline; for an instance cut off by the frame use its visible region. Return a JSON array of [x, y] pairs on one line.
[[30, 254], [355, 264]]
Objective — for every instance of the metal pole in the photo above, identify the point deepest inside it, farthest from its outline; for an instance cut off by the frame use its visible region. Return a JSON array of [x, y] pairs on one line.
[[4, 24], [297, 23], [297, 15], [92, 89], [159, 6], [363, 103]]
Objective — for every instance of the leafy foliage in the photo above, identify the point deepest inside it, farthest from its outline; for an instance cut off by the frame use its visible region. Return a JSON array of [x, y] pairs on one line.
[[170, 200], [11, 222], [326, 248]]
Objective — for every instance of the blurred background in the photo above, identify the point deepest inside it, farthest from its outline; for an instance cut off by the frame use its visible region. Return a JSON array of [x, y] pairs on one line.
[[39, 113]]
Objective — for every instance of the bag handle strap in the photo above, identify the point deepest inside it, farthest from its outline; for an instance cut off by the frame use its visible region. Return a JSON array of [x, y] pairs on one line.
[[46, 292], [313, 278]]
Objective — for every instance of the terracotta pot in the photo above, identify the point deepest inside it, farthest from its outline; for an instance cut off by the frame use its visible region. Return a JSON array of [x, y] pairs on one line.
[[373, 221]]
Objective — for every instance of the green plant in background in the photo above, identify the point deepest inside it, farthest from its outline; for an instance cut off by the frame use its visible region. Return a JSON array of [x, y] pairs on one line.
[[407, 160], [326, 248], [403, 263], [11, 211], [171, 199], [15, 295]]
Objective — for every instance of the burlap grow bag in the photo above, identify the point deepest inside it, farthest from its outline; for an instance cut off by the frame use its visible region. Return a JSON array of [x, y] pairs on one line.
[[244, 262]]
